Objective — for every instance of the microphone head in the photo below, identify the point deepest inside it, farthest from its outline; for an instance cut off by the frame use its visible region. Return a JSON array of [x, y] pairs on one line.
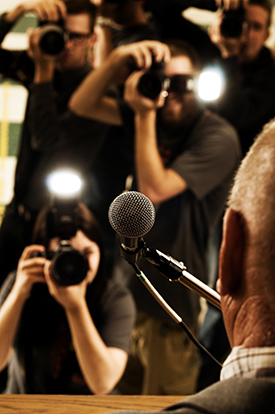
[[132, 214]]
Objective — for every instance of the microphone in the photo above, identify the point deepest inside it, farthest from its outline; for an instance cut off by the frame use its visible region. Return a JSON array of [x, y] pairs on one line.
[[131, 215]]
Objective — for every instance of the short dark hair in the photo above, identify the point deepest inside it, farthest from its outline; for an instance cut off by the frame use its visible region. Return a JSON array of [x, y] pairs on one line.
[[180, 47], [82, 6], [265, 4]]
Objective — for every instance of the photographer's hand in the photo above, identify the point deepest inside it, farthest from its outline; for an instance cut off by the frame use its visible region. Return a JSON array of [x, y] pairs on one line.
[[30, 271], [46, 10], [138, 102], [44, 64], [70, 297], [89, 99], [229, 46], [101, 366], [231, 4]]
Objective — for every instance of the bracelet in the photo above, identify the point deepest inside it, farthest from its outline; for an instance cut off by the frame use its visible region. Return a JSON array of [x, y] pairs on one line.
[[104, 21]]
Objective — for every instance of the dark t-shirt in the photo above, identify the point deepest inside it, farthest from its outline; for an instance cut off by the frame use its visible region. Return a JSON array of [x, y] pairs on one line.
[[44, 360]]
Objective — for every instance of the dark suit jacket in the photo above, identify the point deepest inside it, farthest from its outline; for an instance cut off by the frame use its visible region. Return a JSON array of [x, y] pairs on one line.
[[232, 396]]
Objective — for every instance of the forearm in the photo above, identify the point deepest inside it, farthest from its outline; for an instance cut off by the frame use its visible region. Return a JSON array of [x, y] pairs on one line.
[[99, 367], [89, 100], [44, 72], [154, 180], [10, 313]]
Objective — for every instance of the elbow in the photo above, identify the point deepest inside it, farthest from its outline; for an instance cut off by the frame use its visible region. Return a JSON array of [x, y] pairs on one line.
[[153, 196], [102, 387]]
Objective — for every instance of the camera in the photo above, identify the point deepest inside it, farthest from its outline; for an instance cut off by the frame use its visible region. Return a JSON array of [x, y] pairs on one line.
[[153, 81], [232, 23], [52, 37], [69, 266]]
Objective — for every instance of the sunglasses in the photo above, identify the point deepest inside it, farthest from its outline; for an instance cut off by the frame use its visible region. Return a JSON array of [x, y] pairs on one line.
[[181, 84], [76, 38]]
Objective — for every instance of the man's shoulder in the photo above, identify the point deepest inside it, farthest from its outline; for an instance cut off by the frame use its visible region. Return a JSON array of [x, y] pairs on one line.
[[213, 127], [235, 395]]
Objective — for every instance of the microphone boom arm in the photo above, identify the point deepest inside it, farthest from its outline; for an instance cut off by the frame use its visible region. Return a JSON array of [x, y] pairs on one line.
[[176, 272]]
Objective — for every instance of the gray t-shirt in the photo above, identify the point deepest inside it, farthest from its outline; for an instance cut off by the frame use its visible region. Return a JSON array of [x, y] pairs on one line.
[[206, 156], [44, 361]]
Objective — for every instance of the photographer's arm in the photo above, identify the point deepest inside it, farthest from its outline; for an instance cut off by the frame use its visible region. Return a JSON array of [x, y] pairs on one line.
[[45, 10], [29, 271], [154, 180], [89, 100], [101, 366]]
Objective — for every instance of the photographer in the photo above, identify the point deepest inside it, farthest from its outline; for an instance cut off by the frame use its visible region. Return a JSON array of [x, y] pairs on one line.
[[185, 158], [51, 135], [248, 99], [64, 339]]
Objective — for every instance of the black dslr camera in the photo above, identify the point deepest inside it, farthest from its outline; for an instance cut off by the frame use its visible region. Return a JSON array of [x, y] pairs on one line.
[[153, 81], [69, 266], [52, 37], [232, 22]]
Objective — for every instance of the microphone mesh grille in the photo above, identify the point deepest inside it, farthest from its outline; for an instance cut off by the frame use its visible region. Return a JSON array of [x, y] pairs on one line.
[[132, 214]]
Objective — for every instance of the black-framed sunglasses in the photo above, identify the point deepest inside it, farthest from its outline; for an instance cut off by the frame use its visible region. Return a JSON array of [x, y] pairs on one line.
[[76, 38], [181, 84]]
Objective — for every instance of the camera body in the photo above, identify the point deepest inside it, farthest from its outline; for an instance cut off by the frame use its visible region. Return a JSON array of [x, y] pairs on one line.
[[52, 37], [153, 81], [232, 22], [69, 266]]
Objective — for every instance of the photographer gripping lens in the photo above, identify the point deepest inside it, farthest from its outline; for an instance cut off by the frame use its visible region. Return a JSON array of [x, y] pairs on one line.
[[232, 22], [153, 81], [69, 266]]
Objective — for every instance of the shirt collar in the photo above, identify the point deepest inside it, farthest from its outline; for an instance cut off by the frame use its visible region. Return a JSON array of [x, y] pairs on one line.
[[249, 363]]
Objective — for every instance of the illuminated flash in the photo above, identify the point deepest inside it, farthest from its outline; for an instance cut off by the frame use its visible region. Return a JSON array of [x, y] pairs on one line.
[[64, 183], [210, 84]]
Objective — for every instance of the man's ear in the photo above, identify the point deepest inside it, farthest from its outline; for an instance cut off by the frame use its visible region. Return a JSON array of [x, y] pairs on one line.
[[231, 252]]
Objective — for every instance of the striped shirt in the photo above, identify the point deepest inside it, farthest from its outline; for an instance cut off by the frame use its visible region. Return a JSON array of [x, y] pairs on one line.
[[249, 363]]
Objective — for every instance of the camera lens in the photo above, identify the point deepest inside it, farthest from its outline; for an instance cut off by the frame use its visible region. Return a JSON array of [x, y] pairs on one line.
[[150, 85], [69, 267], [232, 23], [152, 82], [52, 39]]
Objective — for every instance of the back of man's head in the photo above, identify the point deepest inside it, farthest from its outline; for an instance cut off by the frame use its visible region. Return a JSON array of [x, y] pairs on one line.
[[82, 6], [253, 196], [247, 256]]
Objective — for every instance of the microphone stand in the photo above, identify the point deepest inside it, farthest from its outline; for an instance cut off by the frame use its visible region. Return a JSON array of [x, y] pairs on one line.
[[171, 312], [176, 272], [172, 269]]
